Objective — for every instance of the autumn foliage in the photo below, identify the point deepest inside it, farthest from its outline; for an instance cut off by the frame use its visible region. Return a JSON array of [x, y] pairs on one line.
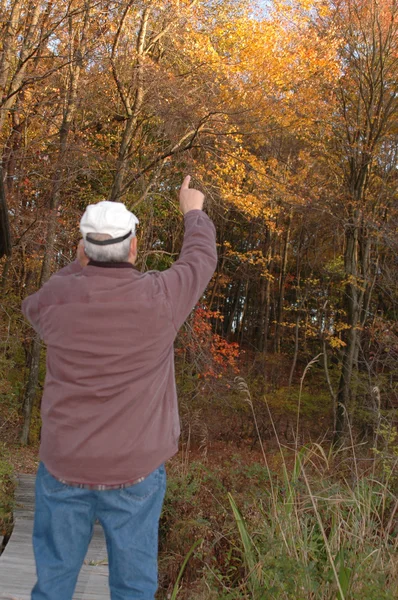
[[211, 355], [286, 115]]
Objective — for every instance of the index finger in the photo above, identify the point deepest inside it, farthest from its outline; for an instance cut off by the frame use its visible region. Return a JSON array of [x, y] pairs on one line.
[[185, 183]]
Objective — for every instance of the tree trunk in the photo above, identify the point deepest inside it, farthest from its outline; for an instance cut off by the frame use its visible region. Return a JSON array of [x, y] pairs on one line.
[[4, 274], [76, 52], [328, 380], [282, 281], [358, 294], [267, 314], [31, 386], [233, 314], [296, 348], [243, 313], [367, 108], [30, 45], [351, 298], [265, 296], [132, 109], [5, 233]]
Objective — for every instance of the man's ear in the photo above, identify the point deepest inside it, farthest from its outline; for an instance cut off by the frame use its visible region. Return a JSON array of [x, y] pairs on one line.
[[133, 249], [81, 255]]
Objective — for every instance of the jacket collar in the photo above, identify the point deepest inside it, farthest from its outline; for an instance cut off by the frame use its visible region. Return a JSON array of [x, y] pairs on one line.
[[111, 265]]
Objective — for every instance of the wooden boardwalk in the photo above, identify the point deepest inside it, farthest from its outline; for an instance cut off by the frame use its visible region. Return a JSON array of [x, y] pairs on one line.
[[17, 567]]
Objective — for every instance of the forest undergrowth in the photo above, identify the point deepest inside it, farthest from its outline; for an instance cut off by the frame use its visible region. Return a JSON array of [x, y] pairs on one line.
[[273, 517], [282, 520]]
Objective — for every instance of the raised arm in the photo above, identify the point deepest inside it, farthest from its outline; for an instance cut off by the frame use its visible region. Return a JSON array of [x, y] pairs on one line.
[[187, 279]]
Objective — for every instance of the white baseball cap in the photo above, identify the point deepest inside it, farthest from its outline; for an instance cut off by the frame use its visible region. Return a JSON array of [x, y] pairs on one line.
[[108, 217]]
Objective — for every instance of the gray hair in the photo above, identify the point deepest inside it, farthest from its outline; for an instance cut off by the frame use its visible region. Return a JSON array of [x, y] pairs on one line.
[[113, 253]]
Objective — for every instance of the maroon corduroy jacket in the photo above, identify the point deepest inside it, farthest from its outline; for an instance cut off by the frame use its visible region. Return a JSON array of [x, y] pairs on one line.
[[109, 406]]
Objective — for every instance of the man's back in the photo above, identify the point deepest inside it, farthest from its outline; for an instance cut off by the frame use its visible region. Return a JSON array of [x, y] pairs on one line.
[[109, 407]]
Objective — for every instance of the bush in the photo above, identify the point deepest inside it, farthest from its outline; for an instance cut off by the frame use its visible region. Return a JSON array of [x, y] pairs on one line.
[[300, 534], [7, 487]]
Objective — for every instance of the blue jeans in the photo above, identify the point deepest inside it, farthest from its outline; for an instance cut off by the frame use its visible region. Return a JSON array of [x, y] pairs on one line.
[[64, 521]]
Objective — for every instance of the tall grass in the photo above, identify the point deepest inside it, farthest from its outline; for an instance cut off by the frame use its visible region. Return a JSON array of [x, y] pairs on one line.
[[321, 525], [319, 533]]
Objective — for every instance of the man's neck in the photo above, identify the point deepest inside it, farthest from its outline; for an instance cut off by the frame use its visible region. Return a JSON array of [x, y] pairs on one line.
[[111, 265]]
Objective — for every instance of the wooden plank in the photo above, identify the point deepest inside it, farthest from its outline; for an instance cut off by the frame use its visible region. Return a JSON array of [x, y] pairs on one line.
[[17, 565]]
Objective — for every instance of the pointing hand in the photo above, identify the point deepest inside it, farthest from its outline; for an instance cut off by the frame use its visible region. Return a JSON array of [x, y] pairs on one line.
[[190, 199]]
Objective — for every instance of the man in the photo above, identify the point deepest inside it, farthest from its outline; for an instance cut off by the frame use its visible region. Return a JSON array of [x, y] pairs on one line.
[[109, 407]]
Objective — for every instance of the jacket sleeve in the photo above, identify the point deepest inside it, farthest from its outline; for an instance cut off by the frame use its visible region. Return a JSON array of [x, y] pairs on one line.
[[187, 279], [32, 304]]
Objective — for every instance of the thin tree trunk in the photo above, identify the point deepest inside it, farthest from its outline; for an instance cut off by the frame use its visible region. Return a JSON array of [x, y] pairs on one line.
[[132, 110], [10, 95], [282, 281], [31, 386], [243, 312], [296, 349], [350, 260], [267, 314], [299, 304], [71, 103], [328, 381], [263, 316], [232, 315], [4, 274], [358, 292], [5, 233]]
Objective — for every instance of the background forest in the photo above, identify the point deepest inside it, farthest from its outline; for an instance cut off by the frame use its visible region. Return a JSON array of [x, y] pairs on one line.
[[286, 114]]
